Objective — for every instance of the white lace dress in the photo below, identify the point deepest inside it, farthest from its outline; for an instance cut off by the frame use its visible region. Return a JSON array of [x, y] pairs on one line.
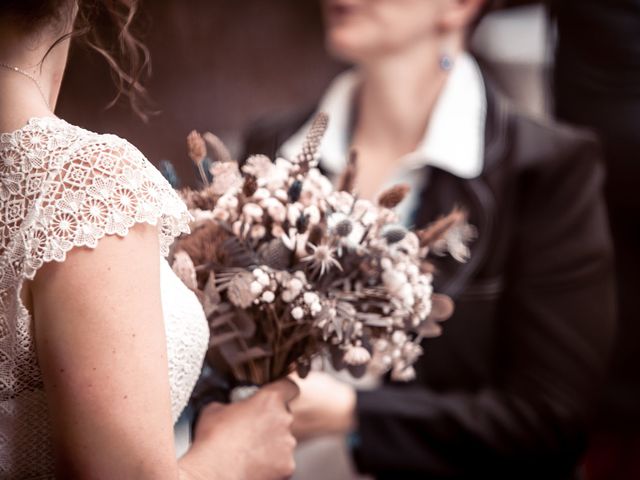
[[62, 187]]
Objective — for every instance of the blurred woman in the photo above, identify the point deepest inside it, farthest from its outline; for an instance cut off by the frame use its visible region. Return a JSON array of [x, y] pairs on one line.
[[507, 390], [100, 343]]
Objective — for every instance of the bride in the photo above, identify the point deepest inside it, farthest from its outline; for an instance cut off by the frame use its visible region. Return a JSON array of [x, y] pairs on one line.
[[100, 344]]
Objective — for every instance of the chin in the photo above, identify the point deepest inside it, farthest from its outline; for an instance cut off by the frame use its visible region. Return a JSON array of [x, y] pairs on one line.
[[348, 45]]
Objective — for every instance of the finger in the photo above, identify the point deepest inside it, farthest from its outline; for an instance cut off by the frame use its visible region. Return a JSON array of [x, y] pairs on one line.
[[285, 388]]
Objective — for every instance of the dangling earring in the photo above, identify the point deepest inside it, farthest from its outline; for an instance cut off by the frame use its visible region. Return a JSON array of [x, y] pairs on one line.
[[446, 62], [446, 58]]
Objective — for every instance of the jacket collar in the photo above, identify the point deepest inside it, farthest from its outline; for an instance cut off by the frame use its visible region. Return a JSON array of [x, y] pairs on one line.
[[454, 140]]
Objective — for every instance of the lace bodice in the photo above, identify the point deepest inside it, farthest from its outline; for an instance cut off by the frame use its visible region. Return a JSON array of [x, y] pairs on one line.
[[62, 187]]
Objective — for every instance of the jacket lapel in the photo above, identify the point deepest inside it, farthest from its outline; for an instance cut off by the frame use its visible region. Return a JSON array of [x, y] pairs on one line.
[[443, 191]]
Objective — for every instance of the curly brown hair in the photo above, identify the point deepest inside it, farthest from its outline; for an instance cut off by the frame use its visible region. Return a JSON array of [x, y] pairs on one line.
[[104, 26]]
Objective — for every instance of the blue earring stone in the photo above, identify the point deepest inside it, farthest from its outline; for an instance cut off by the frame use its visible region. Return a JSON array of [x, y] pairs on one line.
[[446, 63]]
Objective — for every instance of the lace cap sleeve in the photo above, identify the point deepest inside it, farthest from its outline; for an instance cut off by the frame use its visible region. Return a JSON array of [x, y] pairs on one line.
[[103, 186]]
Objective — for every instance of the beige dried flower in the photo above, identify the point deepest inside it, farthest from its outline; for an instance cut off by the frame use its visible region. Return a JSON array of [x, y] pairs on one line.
[[322, 259], [403, 373], [456, 241], [226, 175], [239, 291], [184, 269], [357, 355], [259, 166]]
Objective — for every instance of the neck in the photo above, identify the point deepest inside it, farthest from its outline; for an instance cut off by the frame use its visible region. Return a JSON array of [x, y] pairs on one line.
[[397, 98], [21, 97]]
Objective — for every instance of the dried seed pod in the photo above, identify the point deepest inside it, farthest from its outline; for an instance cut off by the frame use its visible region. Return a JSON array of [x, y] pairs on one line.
[[275, 254], [250, 185], [392, 197], [294, 191], [197, 150], [344, 228], [313, 140], [394, 234], [357, 355], [302, 223], [196, 147]]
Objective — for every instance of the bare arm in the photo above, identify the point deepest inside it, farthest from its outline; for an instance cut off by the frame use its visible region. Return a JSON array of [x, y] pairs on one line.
[[102, 350]]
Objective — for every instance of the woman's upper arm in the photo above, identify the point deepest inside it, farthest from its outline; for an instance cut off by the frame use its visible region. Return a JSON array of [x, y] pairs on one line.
[[102, 351]]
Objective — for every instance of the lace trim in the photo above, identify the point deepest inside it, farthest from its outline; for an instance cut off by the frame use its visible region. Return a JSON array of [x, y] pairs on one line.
[[70, 188], [63, 187]]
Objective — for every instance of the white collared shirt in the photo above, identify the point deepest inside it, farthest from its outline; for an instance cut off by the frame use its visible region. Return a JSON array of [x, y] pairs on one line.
[[453, 141]]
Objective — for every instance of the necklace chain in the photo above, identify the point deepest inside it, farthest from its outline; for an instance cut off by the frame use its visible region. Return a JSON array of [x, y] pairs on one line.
[[30, 77]]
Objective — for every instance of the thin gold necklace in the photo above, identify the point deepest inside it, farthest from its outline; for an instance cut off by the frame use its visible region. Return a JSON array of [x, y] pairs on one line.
[[30, 77]]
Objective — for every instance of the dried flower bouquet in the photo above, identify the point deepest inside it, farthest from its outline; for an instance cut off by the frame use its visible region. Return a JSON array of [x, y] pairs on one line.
[[288, 267]]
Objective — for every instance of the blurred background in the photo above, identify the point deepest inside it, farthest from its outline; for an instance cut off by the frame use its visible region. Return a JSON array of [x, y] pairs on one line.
[[219, 65]]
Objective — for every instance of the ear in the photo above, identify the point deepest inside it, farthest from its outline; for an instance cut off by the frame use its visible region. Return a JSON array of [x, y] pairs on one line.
[[459, 14]]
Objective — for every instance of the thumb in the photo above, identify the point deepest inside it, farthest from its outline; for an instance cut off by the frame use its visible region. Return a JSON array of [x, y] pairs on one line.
[[285, 388]]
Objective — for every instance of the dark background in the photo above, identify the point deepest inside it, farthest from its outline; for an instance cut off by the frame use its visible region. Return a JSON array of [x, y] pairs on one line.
[[217, 66]]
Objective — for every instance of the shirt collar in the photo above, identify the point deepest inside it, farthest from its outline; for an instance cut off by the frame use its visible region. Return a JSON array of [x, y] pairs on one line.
[[453, 141]]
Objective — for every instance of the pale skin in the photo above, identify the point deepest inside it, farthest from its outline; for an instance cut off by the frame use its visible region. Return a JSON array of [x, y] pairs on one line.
[[101, 344], [396, 45]]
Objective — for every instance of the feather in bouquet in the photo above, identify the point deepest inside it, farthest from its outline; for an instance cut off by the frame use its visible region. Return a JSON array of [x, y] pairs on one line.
[[288, 267]]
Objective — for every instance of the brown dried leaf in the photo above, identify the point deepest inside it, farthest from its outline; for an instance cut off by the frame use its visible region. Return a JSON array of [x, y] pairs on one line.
[[250, 185], [202, 199], [205, 244], [437, 230], [348, 178]]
